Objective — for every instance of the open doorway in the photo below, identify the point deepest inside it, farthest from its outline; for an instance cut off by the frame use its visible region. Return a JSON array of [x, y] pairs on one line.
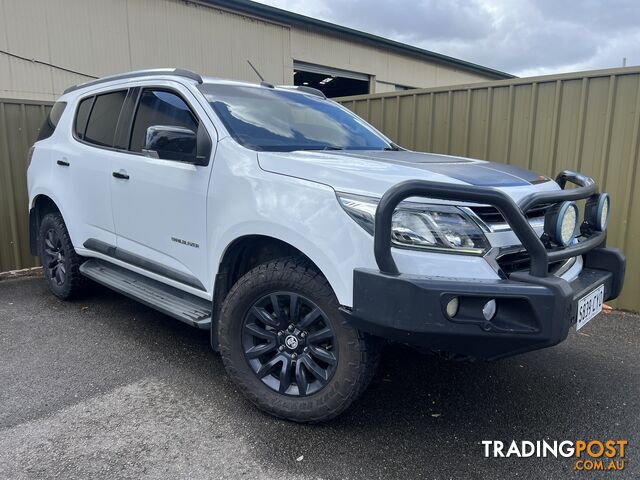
[[330, 81]]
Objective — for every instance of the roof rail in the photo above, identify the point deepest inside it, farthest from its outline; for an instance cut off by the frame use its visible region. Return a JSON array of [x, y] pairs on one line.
[[305, 89], [180, 72]]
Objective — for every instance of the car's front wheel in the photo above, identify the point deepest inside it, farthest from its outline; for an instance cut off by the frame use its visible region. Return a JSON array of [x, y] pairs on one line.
[[288, 348]]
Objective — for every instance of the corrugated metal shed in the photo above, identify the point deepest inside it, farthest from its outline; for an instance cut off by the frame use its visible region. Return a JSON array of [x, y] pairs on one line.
[[213, 37]]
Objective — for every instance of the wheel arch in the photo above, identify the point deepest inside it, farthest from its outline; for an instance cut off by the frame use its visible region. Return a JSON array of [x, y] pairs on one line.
[[41, 205], [239, 257], [247, 252]]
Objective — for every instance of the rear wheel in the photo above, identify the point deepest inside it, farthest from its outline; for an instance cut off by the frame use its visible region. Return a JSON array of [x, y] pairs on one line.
[[288, 348], [60, 262]]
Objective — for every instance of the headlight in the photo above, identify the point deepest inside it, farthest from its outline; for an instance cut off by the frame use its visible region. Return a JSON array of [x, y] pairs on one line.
[[561, 223], [597, 212], [422, 226]]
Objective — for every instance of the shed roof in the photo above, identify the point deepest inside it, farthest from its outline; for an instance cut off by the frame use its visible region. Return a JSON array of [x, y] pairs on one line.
[[283, 16]]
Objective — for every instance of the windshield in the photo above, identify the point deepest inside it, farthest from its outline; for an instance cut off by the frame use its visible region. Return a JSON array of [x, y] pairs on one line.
[[263, 118]]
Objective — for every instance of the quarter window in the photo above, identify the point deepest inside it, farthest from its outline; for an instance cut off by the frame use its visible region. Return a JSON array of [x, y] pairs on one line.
[[82, 115], [160, 107], [51, 122], [103, 120]]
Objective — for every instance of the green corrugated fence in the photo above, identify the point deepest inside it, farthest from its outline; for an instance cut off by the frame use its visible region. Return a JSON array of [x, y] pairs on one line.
[[587, 121], [20, 121]]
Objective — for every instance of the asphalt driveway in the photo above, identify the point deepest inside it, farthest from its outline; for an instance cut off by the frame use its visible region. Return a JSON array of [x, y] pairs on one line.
[[106, 387]]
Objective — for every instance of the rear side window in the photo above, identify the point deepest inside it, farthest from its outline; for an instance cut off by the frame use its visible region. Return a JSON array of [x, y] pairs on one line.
[[103, 119], [51, 122], [159, 107], [82, 115]]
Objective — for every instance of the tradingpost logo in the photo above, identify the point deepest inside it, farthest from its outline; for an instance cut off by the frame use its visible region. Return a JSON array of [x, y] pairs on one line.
[[588, 455]]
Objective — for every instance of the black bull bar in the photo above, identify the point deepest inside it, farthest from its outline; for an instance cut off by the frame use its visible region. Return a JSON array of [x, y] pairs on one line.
[[513, 213]]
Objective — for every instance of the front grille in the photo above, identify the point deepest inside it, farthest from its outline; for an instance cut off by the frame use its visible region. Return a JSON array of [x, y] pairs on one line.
[[491, 216], [520, 261]]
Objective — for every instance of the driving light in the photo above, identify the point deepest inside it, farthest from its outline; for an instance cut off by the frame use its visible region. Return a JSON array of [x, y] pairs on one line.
[[561, 223], [489, 310], [422, 226], [452, 307], [597, 211]]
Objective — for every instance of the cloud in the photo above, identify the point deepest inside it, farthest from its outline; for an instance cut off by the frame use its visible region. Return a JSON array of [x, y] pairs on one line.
[[523, 37], [470, 22]]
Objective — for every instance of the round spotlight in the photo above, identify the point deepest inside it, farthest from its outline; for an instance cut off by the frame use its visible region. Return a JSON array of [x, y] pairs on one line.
[[561, 223], [489, 310], [597, 211], [452, 307]]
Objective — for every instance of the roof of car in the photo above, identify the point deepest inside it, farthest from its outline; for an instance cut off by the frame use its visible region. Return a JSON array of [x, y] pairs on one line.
[[189, 75], [163, 72], [296, 88]]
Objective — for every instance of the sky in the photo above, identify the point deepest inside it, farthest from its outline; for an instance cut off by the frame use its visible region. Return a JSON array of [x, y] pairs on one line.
[[522, 37]]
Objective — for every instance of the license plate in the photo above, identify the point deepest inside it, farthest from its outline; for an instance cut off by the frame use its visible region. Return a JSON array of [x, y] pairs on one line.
[[589, 306]]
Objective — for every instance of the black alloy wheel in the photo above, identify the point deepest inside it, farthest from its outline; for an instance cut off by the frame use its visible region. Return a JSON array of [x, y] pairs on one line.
[[289, 344], [54, 258], [288, 347], [60, 262]]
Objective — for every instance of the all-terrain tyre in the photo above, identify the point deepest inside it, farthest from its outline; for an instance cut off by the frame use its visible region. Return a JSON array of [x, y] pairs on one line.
[[60, 262], [288, 348]]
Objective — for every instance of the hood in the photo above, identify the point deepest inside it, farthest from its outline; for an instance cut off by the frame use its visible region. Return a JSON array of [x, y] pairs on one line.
[[372, 173]]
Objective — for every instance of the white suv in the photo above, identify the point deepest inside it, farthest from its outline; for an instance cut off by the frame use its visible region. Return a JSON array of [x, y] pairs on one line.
[[301, 236]]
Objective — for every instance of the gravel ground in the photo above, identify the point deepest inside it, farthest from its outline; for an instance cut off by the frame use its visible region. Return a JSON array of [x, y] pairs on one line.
[[107, 388]]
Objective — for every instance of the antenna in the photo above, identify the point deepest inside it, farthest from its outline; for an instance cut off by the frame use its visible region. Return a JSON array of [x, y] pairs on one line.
[[256, 70]]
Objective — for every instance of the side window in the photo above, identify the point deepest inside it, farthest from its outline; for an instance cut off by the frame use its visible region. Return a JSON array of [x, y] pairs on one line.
[[51, 122], [101, 128], [160, 108], [82, 115]]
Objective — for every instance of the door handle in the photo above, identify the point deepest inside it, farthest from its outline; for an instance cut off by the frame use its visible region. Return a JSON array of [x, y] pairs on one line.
[[121, 174], [63, 163]]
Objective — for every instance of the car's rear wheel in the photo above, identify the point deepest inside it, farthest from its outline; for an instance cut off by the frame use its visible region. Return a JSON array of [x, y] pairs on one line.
[[288, 348], [60, 262]]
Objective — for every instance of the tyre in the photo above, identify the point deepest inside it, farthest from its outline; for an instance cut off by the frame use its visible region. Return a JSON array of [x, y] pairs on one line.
[[60, 262], [287, 347]]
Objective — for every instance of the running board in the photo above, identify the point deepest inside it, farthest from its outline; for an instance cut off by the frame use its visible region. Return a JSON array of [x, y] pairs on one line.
[[169, 300]]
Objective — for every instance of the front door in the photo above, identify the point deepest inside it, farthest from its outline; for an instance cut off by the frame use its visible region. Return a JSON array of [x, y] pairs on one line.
[[159, 205]]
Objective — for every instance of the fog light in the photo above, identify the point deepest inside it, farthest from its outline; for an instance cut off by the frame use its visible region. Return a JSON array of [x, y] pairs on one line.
[[452, 307], [489, 310], [597, 211], [561, 222]]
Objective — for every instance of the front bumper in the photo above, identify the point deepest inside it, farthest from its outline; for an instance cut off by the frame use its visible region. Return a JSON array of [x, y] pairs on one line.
[[535, 308], [532, 312]]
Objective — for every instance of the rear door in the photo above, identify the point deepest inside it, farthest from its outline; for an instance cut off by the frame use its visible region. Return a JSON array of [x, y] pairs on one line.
[[83, 167], [159, 205]]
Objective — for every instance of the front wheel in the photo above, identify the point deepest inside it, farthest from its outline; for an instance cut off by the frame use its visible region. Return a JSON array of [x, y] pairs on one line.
[[288, 348]]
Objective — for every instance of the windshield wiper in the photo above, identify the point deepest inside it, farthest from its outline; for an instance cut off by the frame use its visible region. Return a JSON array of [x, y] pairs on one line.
[[393, 147]]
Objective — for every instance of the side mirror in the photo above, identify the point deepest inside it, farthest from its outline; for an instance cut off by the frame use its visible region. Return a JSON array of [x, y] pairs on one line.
[[178, 143]]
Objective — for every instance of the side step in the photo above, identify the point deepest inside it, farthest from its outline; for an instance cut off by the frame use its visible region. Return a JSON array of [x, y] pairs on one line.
[[181, 305]]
